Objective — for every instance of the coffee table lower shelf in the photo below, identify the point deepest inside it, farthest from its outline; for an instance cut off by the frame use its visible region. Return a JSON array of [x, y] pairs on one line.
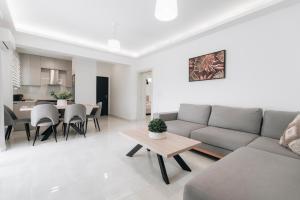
[[162, 167]]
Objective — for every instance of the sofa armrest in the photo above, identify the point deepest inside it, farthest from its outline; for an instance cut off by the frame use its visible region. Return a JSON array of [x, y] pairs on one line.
[[166, 116]]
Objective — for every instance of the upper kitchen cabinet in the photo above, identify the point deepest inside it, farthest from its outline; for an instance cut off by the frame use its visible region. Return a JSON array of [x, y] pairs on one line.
[[69, 73], [52, 63], [64, 66], [35, 70], [30, 69]]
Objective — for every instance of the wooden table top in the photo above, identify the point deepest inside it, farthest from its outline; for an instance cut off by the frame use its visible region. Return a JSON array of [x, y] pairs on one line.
[[168, 147], [29, 108]]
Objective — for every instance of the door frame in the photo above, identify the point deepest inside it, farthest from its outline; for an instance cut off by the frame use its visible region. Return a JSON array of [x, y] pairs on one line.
[[141, 101], [109, 99]]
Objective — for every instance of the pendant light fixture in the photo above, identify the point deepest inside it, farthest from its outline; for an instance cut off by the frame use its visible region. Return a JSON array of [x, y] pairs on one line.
[[114, 44], [166, 10]]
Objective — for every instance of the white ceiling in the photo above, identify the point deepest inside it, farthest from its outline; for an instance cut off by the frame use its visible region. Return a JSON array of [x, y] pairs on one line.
[[89, 22]]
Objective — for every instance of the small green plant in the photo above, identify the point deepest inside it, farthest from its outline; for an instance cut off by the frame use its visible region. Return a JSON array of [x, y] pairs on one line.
[[61, 95], [157, 126]]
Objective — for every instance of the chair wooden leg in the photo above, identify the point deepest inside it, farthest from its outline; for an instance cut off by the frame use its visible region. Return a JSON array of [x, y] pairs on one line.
[[98, 124], [8, 131], [83, 131], [95, 123], [27, 131], [82, 126], [86, 123], [68, 132], [36, 134], [64, 129], [55, 132]]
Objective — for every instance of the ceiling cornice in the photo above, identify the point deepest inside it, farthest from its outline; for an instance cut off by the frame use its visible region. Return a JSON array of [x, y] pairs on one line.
[[237, 14]]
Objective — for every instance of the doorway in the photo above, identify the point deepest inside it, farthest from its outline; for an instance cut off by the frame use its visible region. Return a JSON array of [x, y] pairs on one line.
[[102, 93], [145, 102]]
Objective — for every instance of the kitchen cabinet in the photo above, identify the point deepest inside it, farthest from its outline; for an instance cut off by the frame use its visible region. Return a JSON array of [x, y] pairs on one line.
[[34, 68], [30, 69], [69, 74]]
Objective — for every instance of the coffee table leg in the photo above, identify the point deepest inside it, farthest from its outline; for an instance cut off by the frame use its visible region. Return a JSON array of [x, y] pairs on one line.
[[163, 169], [182, 164], [134, 150]]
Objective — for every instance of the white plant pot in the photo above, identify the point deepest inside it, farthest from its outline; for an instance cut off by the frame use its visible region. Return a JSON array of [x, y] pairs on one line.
[[62, 102], [157, 136]]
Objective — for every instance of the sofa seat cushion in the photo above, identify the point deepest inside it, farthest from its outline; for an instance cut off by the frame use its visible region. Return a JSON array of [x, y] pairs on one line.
[[273, 146], [194, 113], [240, 119], [247, 174], [182, 128], [224, 138]]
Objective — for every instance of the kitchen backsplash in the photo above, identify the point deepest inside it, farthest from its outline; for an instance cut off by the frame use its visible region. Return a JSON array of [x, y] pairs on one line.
[[39, 92]]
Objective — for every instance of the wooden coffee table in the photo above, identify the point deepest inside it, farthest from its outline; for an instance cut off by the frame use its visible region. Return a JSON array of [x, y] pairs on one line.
[[171, 146]]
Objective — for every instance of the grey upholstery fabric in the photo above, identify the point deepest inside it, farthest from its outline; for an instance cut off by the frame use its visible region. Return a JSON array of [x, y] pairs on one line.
[[166, 116], [182, 128], [275, 123], [99, 110], [75, 113], [194, 113], [224, 138], [44, 115], [247, 174], [240, 119], [96, 112], [8, 119], [9, 116], [272, 145]]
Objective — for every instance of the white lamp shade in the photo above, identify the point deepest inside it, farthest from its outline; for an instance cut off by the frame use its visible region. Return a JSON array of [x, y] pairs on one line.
[[166, 10], [114, 45]]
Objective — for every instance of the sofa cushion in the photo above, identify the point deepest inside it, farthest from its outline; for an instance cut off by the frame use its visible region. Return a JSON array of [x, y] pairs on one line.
[[275, 123], [291, 133], [194, 113], [240, 119], [182, 128], [247, 174], [273, 146], [224, 138]]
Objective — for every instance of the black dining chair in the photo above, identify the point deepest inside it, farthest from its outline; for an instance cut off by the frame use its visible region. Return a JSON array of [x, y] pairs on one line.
[[95, 115], [10, 120]]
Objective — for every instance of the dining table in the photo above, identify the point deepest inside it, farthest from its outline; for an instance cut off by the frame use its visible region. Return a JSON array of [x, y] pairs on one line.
[[46, 134]]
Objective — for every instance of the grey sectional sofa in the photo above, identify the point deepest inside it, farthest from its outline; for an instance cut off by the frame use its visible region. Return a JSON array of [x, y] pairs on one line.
[[257, 166]]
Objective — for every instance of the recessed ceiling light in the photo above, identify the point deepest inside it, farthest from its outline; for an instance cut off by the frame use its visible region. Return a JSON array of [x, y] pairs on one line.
[[114, 45], [166, 10]]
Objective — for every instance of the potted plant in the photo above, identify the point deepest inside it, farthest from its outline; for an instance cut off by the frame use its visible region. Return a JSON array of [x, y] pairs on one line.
[[62, 97], [157, 129]]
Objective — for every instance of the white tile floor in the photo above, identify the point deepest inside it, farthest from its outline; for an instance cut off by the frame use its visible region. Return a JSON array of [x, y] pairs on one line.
[[91, 168]]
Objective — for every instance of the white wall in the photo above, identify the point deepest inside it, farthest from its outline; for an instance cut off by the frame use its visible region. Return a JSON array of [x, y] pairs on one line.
[[261, 67], [85, 80], [2, 129], [7, 91], [124, 92]]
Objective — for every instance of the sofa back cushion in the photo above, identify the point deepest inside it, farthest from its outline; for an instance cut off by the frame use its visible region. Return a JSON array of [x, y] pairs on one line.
[[240, 119], [194, 113], [275, 123]]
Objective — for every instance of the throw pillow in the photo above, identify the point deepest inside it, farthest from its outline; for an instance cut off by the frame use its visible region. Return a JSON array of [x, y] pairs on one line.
[[295, 146], [291, 133]]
